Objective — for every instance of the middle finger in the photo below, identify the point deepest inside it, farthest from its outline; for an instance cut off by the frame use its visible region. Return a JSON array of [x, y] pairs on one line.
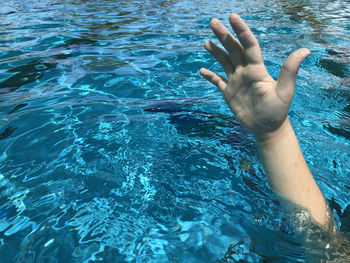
[[233, 47]]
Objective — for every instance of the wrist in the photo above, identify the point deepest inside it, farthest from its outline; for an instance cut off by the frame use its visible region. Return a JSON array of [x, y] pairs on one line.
[[281, 132]]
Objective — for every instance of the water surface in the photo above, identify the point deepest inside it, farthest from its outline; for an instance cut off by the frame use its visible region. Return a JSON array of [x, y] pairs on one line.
[[114, 149]]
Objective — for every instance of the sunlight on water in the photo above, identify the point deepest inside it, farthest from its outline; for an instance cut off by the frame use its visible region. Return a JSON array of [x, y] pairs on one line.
[[114, 149]]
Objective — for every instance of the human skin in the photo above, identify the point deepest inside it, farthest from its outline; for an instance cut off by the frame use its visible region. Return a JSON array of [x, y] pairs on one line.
[[261, 105]]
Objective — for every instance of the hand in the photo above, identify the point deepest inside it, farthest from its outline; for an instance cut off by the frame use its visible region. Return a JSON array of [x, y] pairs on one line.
[[259, 102]]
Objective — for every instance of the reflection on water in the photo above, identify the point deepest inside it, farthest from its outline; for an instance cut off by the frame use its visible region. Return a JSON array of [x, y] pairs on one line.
[[114, 149]]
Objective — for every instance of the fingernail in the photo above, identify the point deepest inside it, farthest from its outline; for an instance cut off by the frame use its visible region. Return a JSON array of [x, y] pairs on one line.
[[305, 52], [214, 22], [234, 16]]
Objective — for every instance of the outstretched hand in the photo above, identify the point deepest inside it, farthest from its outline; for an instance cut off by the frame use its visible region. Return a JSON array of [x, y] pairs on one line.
[[259, 102]]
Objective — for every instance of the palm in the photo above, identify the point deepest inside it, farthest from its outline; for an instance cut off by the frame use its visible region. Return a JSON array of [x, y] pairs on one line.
[[259, 102], [251, 96]]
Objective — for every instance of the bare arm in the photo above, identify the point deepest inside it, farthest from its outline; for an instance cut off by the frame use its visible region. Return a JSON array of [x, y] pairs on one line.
[[261, 104], [289, 175]]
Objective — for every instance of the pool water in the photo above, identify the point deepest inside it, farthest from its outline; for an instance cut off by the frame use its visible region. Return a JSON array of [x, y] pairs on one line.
[[114, 149]]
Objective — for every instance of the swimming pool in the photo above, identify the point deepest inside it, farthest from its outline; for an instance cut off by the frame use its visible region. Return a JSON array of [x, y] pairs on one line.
[[114, 149]]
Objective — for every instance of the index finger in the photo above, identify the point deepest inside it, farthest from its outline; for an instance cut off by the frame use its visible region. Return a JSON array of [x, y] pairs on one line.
[[247, 39], [234, 49]]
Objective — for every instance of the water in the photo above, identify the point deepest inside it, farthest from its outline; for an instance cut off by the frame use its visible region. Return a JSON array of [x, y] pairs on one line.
[[114, 149]]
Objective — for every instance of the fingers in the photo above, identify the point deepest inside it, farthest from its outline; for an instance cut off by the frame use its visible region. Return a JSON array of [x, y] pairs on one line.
[[220, 56], [228, 41], [247, 39], [289, 72], [216, 79]]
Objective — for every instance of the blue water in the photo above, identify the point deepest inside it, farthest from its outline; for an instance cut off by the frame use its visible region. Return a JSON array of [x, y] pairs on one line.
[[114, 149]]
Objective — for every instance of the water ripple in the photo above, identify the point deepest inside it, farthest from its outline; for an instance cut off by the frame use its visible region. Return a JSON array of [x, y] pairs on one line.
[[114, 149]]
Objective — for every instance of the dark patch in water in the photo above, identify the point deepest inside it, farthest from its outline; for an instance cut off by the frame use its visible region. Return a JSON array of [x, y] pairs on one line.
[[77, 42], [73, 43], [334, 206], [25, 74], [208, 125], [343, 216], [9, 13], [63, 56], [333, 52], [335, 68], [201, 124], [253, 186], [164, 108], [343, 128], [339, 131], [7, 132], [345, 220], [191, 125], [17, 107]]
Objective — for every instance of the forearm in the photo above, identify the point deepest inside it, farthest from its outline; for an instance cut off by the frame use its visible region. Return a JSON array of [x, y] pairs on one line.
[[289, 175]]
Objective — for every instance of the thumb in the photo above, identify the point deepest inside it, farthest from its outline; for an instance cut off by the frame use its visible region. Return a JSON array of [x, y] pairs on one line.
[[289, 72]]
